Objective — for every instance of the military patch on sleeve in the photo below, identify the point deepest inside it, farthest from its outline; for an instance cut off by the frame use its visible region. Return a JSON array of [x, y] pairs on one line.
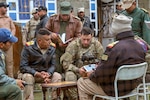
[[53, 44], [111, 45], [29, 43], [104, 57], [144, 10]]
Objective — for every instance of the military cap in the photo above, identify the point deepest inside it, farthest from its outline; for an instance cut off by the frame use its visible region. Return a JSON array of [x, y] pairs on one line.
[[5, 35], [3, 4], [127, 3], [65, 7], [42, 8], [81, 9], [34, 10]]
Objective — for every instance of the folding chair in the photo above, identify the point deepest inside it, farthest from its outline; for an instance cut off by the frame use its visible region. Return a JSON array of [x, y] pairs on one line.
[[128, 72]]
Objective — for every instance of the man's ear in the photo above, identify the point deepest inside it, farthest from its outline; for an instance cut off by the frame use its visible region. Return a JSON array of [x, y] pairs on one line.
[[1, 45]]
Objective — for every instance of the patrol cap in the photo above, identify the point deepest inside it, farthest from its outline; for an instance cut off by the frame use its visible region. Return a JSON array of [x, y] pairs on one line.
[[81, 9], [5, 35], [119, 3], [121, 23], [42, 8], [3, 4], [65, 7], [34, 10], [127, 3]]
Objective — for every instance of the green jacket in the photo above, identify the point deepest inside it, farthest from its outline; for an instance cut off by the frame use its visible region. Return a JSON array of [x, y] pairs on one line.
[[72, 58], [4, 79], [138, 25]]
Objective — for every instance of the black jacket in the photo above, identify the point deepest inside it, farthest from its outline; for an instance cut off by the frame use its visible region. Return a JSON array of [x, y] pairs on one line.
[[33, 60], [42, 23]]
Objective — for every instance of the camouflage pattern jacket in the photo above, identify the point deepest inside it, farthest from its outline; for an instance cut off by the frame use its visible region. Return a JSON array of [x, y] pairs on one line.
[[73, 59]]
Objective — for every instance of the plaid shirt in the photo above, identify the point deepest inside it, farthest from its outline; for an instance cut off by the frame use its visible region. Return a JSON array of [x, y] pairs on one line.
[[126, 51]]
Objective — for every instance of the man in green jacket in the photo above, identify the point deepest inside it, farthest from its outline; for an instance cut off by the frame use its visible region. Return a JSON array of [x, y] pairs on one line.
[[9, 87], [139, 16]]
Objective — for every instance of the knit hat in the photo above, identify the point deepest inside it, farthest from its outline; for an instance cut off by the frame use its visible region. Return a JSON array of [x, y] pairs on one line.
[[121, 23]]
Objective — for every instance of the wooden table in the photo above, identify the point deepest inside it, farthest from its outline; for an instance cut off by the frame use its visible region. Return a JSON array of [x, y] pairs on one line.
[[59, 85]]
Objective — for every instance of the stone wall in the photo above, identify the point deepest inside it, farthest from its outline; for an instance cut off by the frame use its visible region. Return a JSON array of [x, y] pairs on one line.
[[145, 4], [76, 4]]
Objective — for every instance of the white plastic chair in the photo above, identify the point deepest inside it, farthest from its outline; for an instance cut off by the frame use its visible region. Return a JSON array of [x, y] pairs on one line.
[[128, 72]]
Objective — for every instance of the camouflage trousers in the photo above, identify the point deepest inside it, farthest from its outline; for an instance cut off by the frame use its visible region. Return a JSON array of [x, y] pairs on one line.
[[71, 93], [28, 91]]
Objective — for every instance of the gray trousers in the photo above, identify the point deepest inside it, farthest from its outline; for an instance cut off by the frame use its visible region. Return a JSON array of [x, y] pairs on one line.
[[10, 92]]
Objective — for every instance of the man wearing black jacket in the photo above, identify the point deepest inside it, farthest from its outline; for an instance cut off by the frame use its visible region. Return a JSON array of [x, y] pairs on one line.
[[42, 12], [38, 62]]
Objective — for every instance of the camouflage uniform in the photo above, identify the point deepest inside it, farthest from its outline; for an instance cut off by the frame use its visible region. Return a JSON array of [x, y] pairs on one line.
[[31, 26], [72, 59], [30, 29]]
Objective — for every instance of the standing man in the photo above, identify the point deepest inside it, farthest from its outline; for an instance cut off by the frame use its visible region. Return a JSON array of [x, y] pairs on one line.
[[9, 87], [38, 63], [117, 54], [42, 12], [84, 19], [6, 22], [82, 51], [63, 23], [139, 16], [119, 8], [31, 26]]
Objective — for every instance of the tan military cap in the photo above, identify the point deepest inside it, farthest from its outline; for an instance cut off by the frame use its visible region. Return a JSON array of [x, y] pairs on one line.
[[127, 3]]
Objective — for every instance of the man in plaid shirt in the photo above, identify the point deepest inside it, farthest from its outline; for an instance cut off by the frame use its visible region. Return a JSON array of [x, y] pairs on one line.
[[126, 50]]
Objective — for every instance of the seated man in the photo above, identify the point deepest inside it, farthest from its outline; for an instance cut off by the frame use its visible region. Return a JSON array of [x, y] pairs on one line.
[[81, 51], [38, 62], [126, 50], [9, 87]]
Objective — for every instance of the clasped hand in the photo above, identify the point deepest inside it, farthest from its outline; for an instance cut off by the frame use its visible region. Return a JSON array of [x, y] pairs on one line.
[[44, 75]]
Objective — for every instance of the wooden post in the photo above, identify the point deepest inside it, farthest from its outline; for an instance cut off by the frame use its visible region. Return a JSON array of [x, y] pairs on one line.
[[17, 47]]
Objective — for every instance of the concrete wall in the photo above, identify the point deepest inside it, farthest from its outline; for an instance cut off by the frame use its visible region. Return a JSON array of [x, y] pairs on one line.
[[145, 4]]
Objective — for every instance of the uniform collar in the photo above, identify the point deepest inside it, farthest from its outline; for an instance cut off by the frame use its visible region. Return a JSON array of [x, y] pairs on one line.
[[124, 35], [134, 10], [70, 19]]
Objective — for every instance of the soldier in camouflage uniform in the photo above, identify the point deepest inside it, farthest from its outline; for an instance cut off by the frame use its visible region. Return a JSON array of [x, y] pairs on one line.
[[82, 51], [30, 27]]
